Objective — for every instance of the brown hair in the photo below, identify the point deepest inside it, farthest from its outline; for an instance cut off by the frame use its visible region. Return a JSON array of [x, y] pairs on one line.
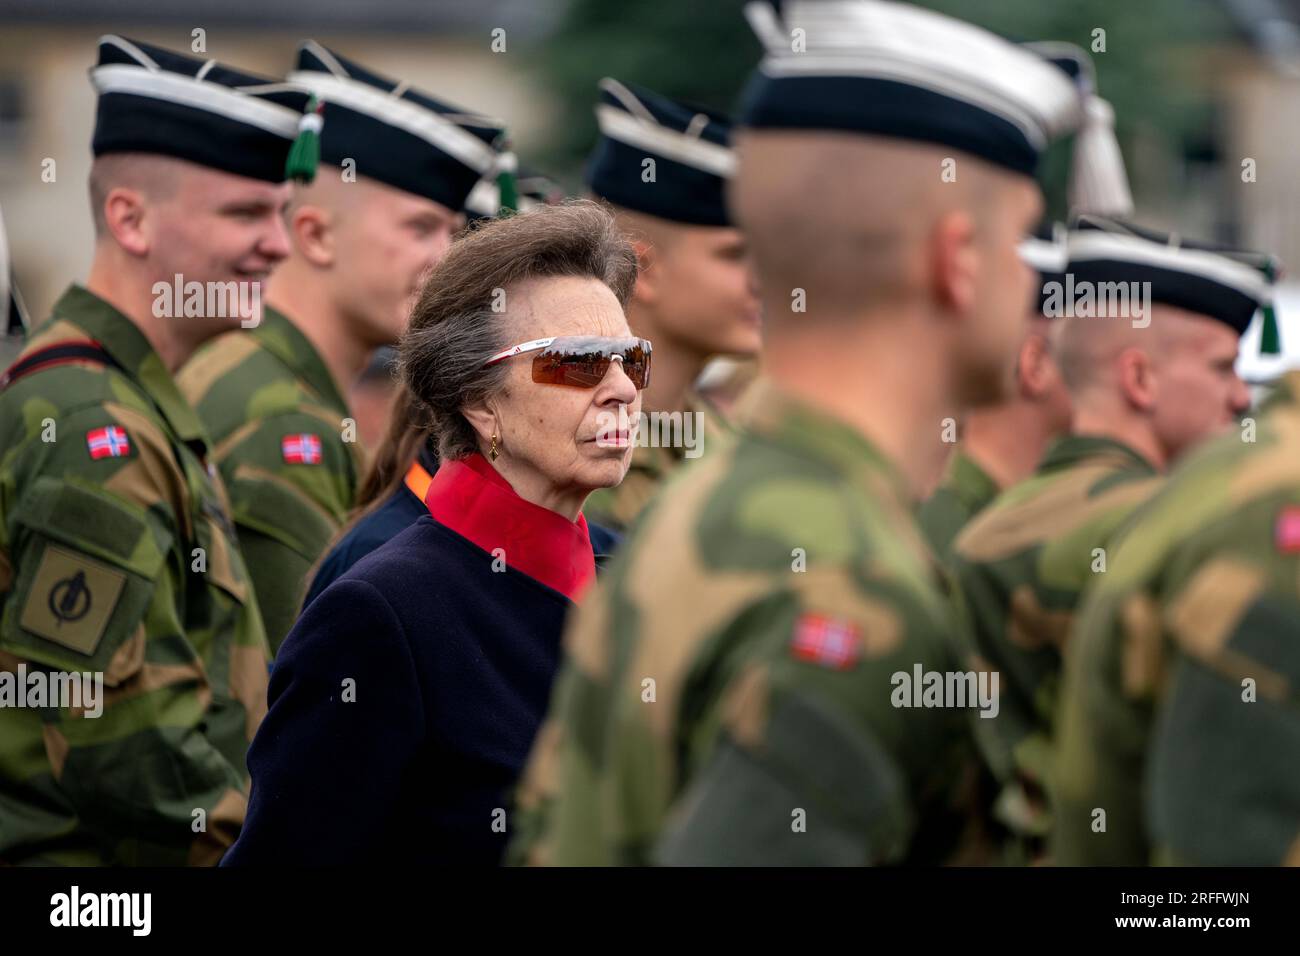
[[454, 328]]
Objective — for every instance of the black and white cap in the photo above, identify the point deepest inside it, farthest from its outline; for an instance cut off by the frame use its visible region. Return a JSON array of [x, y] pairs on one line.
[[395, 134], [897, 70], [152, 100], [1225, 284], [690, 147]]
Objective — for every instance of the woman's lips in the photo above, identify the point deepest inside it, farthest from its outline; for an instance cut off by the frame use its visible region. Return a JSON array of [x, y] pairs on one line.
[[615, 439]]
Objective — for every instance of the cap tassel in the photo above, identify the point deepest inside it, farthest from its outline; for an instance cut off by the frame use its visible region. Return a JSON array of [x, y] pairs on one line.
[[507, 184], [1098, 180], [1270, 335], [304, 154], [1270, 338], [509, 191]]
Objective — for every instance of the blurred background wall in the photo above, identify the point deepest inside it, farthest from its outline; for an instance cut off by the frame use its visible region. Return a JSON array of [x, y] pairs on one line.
[[1199, 86]]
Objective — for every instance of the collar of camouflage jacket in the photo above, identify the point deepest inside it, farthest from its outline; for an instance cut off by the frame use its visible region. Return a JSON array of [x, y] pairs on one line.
[[972, 485], [771, 414], [1072, 449], [278, 335], [123, 340]]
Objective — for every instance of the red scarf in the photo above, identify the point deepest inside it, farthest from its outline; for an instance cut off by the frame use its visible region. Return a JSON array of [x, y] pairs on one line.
[[472, 499]]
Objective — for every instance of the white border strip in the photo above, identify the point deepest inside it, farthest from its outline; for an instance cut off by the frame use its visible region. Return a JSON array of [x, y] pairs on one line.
[[897, 41], [199, 94], [1043, 255], [417, 120], [688, 150]]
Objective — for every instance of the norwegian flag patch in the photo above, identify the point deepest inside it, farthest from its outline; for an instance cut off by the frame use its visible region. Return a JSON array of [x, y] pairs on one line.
[[828, 641], [300, 449], [1286, 532], [108, 442]]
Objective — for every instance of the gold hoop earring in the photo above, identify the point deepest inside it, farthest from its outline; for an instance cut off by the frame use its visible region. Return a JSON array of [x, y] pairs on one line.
[[492, 452]]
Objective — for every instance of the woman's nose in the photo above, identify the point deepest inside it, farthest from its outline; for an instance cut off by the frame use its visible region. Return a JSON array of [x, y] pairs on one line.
[[617, 385]]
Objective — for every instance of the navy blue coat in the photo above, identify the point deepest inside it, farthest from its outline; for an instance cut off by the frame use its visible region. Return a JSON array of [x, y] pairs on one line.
[[451, 665]]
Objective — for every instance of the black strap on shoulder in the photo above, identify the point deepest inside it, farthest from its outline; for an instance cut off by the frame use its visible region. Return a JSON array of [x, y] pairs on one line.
[[60, 353]]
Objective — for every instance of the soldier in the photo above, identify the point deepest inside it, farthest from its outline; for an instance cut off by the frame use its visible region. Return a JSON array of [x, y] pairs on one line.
[[663, 166], [1180, 717], [363, 235], [1000, 445], [1149, 381], [728, 693], [117, 556]]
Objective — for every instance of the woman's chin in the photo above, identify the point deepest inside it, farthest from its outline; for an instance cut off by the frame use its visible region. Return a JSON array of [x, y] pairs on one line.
[[606, 469]]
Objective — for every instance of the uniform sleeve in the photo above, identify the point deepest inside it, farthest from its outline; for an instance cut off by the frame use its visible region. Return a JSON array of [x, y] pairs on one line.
[[817, 790], [1224, 785], [99, 586], [814, 761], [291, 481], [345, 721], [941, 517], [1015, 744]]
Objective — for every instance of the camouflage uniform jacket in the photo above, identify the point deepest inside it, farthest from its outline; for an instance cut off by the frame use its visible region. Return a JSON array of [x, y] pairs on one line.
[[279, 427], [117, 556], [1020, 568], [727, 697], [1180, 715], [965, 490]]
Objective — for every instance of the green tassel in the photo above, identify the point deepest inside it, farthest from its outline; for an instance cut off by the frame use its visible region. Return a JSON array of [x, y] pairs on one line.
[[304, 154], [1270, 340], [507, 187], [509, 193]]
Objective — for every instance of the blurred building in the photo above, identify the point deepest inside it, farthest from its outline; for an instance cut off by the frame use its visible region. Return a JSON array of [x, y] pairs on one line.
[[47, 105], [1250, 76]]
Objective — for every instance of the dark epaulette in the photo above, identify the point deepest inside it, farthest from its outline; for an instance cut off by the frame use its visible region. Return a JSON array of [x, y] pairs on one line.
[[60, 353]]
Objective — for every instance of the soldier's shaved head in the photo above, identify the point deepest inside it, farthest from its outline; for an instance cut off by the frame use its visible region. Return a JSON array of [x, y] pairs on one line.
[[1089, 348], [155, 177], [360, 248], [844, 216], [1162, 388]]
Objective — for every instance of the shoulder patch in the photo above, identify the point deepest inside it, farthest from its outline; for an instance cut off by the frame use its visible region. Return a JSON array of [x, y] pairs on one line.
[[108, 442], [71, 599], [833, 642], [1286, 531], [301, 449]]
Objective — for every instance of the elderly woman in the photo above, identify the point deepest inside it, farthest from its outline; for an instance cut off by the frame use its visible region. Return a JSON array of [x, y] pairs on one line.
[[404, 701]]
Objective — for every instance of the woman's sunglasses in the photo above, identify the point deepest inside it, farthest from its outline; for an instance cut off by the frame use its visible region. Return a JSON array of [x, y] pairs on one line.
[[581, 361]]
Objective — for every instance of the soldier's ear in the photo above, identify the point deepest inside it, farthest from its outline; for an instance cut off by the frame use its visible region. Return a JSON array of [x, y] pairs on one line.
[[954, 265], [312, 230], [648, 273], [1034, 366], [1136, 379], [125, 213]]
